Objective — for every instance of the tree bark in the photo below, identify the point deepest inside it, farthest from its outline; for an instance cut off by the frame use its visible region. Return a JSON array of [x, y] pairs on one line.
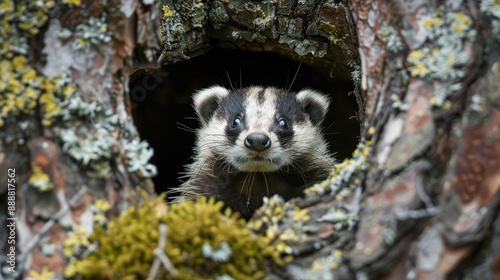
[[67, 136], [419, 198], [430, 195]]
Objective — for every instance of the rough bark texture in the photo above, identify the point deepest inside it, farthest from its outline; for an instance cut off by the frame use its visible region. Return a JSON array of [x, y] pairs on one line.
[[319, 33], [431, 194], [67, 136], [425, 204], [419, 198]]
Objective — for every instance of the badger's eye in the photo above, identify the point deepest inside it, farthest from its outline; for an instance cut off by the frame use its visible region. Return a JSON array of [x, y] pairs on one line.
[[237, 121], [282, 123]]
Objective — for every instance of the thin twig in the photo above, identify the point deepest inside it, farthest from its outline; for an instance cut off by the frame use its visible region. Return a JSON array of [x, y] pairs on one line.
[[48, 225], [294, 77], [161, 257]]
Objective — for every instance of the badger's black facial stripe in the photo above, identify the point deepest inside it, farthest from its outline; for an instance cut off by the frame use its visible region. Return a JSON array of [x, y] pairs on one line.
[[231, 108], [233, 105], [288, 107], [289, 112], [285, 136], [261, 98]]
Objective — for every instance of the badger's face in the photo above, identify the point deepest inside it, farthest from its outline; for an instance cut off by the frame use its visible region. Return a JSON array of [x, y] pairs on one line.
[[259, 129]]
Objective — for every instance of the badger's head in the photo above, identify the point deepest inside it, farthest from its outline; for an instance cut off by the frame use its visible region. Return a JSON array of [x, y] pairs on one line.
[[260, 129]]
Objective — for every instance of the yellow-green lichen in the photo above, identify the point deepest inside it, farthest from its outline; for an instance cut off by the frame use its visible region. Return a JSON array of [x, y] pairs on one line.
[[76, 243], [99, 210], [23, 90], [102, 205], [330, 31], [398, 103], [91, 34], [85, 129], [492, 9], [322, 268], [392, 38], [45, 274], [40, 180], [72, 2], [167, 12], [27, 15], [281, 223], [443, 57], [201, 243], [194, 12], [344, 171], [433, 22]]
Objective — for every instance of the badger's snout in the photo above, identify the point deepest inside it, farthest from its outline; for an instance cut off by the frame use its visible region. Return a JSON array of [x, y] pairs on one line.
[[258, 142]]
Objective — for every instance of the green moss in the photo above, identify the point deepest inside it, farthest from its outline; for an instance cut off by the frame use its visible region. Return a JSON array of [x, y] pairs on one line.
[[201, 243]]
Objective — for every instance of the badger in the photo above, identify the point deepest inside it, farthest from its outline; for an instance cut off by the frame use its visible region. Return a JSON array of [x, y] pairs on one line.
[[255, 142]]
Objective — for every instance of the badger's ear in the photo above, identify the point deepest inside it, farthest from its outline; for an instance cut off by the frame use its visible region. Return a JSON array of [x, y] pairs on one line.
[[207, 101], [315, 104]]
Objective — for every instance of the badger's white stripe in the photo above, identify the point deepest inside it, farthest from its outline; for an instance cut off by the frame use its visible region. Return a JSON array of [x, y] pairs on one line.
[[259, 116]]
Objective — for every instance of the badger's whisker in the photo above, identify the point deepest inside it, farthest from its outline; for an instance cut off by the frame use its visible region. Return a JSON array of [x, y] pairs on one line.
[[250, 188], [267, 185]]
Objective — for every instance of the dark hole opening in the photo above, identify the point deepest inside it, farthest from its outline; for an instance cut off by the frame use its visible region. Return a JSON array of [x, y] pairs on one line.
[[161, 102]]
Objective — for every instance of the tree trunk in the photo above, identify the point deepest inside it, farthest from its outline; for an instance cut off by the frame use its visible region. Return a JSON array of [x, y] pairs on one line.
[[418, 198], [70, 153]]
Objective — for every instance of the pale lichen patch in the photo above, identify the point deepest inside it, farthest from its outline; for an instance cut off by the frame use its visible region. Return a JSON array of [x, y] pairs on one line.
[[444, 55], [492, 8], [84, 129], [91, 34], [393, 40]]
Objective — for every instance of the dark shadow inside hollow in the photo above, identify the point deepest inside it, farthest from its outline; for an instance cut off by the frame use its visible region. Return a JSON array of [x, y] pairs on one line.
[[162, 110]]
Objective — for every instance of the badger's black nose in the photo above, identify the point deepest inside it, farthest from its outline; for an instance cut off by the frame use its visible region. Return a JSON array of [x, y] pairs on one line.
[[258, 142]]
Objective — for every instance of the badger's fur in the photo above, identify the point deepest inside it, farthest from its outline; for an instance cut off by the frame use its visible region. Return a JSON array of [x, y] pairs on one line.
[[256, 142]]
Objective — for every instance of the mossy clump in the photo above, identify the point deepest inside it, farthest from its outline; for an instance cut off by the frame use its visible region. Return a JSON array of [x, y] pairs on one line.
[[202, 243]]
